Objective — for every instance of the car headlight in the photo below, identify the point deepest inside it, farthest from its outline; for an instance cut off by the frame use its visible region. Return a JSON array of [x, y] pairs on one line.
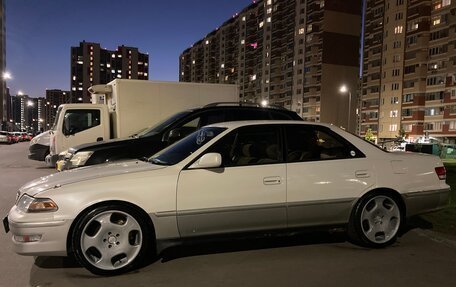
[[31, 204], [80, 158]]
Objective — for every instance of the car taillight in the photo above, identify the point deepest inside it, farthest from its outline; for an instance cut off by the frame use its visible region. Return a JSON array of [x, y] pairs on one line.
[[441, 172]]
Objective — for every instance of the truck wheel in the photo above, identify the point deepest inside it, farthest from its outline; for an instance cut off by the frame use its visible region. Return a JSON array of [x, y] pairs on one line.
[[375, 220], [111, 239]]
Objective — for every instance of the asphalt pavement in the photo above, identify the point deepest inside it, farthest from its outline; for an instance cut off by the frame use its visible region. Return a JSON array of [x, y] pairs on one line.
[[420, 257]]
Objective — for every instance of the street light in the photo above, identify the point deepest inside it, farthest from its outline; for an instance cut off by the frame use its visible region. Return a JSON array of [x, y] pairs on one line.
[[344, 89], [264, 103], [6, 76]]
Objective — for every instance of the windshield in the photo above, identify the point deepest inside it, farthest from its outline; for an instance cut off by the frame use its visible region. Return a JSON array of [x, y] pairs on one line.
[[54, 125], [182, 149], [160, 126]]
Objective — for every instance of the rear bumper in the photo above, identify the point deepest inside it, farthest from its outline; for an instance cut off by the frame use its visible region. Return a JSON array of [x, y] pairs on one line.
[[38, 152], [426, 201]]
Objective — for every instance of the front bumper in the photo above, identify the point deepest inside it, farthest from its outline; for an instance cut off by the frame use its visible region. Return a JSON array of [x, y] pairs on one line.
[[38, 152], [426, 201], [52, 233]]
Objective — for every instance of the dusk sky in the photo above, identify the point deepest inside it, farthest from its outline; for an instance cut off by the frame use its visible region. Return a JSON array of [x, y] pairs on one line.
[[40, 34]]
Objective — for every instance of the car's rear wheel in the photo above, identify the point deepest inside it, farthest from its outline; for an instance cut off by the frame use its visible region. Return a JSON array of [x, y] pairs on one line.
[[376, 220], [112, 239]]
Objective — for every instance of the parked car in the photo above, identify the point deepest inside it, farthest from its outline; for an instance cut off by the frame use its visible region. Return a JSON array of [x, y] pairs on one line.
[[149, 141], [5, 137], [222, 179], [16, 136]]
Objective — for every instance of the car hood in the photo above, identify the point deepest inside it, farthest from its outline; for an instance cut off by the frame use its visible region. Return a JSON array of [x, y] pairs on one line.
[[57, 180], [104, 144]]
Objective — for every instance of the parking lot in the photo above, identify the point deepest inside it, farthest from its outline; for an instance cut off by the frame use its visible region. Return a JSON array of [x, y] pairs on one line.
[[419, 258]]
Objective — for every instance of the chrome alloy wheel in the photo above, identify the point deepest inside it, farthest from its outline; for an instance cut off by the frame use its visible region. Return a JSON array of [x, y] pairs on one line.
[[380, 219], [111, 240]]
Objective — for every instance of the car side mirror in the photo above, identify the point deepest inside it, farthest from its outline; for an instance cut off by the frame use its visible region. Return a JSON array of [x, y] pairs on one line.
[[209, 160]]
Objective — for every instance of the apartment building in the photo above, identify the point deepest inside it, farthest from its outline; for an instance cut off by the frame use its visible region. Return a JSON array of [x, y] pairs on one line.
[[3, 87], [409, 69], [54, 98], [92, 65], [292, 53], [27, 113]]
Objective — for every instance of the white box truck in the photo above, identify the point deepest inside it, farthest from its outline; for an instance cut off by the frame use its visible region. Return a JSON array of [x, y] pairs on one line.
[[123, 107]]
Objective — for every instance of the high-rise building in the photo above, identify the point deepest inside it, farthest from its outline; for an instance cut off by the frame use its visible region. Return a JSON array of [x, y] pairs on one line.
[[3, 92], [27, 113], [92, 65], [292, 53], [54, 98], [409, 69]]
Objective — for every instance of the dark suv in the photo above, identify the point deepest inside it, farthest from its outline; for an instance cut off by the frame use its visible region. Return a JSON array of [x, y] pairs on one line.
[[147, 142]]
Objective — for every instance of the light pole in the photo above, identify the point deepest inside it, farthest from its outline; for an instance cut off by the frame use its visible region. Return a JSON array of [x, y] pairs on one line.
[[343, 89]]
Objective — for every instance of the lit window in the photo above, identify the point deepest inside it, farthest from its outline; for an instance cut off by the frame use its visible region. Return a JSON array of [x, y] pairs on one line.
[[119, 56], [261, 24], [243, 18], [182, 73], [393, 127], [242, 42], [119, 76], [193, 62], [145, 74], [146, 64], [269, 11], [108, 65], [113, 71], [268, 20], [80, 62], [269, 2], [446, 3], [222, 66], [119, 71], [80, 88], [436, 21], [113, 56], [301, 31], [73, 88], [74, 78], [398, 29], [207, 42], [309, 28]]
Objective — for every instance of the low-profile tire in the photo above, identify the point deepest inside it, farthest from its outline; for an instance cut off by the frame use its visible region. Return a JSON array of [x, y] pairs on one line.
[[376, 220], [112, 239]]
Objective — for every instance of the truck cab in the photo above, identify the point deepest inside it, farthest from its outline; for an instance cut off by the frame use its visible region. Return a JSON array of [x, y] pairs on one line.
[[77, 124]]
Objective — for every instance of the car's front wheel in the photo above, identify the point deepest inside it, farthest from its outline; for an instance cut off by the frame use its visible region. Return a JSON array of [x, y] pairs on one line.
[[376, 220], [111, 239]]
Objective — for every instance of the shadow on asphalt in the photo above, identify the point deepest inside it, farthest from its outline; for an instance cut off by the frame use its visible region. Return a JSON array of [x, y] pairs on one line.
[[207, 246], [266, 241], [215, 246], [416, 222]]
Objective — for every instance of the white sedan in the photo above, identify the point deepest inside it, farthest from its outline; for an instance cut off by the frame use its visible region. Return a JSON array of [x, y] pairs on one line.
[[226, 178]]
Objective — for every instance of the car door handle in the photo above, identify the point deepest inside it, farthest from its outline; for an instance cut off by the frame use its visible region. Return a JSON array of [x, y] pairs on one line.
[[362, 174], [271, 180]]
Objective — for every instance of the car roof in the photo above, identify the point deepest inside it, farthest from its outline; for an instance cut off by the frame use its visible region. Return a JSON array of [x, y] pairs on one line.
[[236, 124]]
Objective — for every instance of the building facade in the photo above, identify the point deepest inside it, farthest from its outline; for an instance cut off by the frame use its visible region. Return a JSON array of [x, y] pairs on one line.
[[92, 65], [292, 53], [3, 88], [27, 114], [409, 69], [54, 98]]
